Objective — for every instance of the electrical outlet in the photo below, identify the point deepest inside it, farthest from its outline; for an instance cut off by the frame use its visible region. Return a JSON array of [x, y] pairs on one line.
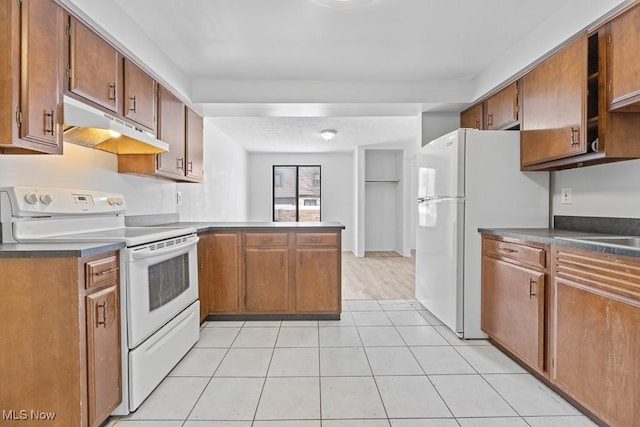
[[179, 197], [566, 196]]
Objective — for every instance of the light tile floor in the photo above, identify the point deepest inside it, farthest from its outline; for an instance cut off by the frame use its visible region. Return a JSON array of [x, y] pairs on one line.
[[384, 364]]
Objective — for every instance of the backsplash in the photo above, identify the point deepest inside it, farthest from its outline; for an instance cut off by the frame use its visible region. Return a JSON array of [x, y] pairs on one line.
[[608, 190]]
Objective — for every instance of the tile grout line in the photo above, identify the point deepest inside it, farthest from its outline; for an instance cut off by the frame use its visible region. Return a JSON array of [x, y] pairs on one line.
[[212, 375], [266, 375]]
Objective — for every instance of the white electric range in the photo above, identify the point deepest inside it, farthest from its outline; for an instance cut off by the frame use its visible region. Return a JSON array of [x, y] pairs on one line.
[[159, 277]]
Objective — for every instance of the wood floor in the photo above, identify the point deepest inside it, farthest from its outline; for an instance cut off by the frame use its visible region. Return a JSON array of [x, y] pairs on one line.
[[379, 275]]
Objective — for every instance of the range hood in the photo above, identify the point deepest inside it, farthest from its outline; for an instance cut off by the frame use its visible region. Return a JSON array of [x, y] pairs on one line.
[[89, 126]]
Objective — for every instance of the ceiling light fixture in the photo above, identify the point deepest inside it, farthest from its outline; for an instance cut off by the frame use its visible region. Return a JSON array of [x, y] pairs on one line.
[[328, 134], [343, 4]]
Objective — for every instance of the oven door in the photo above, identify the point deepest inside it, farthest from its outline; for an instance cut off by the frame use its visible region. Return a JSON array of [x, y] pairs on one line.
[[162, 280]]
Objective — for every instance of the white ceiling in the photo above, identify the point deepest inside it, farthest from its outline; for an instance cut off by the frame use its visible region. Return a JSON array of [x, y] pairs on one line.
[[254, 63]]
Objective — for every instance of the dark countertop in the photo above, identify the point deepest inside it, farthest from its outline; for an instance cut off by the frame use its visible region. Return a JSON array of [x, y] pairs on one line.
[[56, 250], [567, 238], [204, 227]]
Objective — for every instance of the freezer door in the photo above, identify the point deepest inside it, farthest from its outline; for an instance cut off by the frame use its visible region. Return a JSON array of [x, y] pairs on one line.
[[441, 166], [439, 260]]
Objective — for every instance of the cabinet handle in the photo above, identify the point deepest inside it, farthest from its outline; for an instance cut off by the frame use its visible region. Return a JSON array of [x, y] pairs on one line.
[[574, 138], [189, 166], [50, 121], [266, 239], [132, 104], [477, 124], [281, 260], [102, 273], [489, 119], [180, 163], [112, 92], [508, 250], [301, 260], [316, 240], [102, 322], [532, 283]]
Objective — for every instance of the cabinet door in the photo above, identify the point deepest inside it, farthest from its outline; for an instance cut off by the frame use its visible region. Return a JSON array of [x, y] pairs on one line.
[[171, 129], [502, 108], [42, 74], [595, 340], [266, 280], [219, 275], [317, 286], [472, 118], [513, 309], [139, 96], [103, 354], [94, 68], [624, 62], [194, 145], [554, 106]]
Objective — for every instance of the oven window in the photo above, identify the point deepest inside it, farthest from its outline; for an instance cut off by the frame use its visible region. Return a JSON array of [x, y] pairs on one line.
[[167, 280]]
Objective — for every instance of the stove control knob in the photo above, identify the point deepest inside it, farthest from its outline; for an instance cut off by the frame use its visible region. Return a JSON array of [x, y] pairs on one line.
[[45, 199], [115, 201], [31, 198]]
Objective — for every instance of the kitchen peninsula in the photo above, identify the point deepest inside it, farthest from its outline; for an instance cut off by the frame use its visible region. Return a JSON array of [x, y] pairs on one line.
[[269, 270]]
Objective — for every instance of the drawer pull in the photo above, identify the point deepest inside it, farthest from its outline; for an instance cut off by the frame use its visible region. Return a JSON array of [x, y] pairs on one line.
[[102, 273], [316, 240], [508, 250], [532, 283], [266, 239]]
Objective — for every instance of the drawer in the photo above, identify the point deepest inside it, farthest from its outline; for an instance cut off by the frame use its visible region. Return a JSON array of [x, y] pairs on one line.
[[526, 254], [266, 239], [317, 239], [101, 272]]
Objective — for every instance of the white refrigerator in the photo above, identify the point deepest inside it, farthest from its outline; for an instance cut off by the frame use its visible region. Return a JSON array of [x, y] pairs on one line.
[[469, 179]]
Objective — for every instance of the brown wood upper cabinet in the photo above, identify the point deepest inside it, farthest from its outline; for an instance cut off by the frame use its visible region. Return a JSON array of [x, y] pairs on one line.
[[502, 110], [171, 129], [513, 298], [31, 85], [595, 345], [94, 67], [553, 103], [139, 96], [624, 62], [472, 118], [195, 146]]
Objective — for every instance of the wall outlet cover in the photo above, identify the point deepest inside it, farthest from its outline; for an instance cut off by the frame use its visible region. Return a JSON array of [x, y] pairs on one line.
[[566, 196], [179, 197]]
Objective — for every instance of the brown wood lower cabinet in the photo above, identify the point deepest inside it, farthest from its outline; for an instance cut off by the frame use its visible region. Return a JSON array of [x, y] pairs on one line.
[[513, 298], [60, 340], [270, 272], [595, 343]]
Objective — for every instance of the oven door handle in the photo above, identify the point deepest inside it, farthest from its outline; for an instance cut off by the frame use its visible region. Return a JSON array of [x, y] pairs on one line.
[[147, 253]]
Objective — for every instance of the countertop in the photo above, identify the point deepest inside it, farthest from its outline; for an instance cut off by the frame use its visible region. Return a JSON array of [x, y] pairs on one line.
[[560, 237], [204, 227], [56, 250]]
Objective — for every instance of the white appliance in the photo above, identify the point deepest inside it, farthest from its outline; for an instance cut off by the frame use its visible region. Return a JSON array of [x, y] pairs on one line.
[[158, 274], [469, 179]]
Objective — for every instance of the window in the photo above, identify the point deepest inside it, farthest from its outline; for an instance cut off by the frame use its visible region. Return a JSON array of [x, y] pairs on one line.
[[296, 193]]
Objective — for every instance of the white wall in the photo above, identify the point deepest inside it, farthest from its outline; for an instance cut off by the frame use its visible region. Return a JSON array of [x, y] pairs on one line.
[[223, 194], [604, 190], [435, 125], [337, 187]]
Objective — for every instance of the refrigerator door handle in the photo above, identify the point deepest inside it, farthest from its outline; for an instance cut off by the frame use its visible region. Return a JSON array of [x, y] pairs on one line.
[[440, 198]]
